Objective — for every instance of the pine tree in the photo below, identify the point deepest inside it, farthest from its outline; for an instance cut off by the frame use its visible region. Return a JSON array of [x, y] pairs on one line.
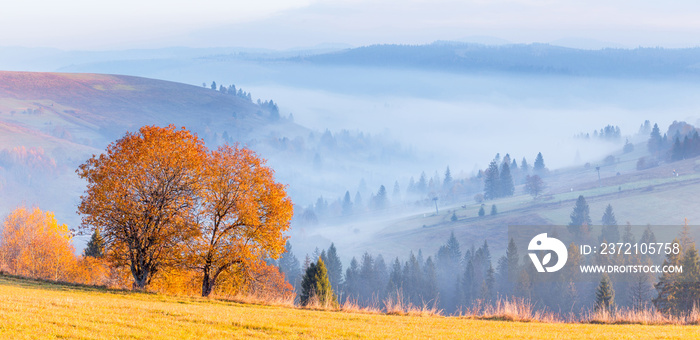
[[395, 278], [422, 185], [289, 265], [667, 287], [334, 267], [447, 182], [347, 204], [655, 142], [358, 200], [610, 232], [367, 278], [580, 217], [513, 263], [396, 195], [430, 282], [494, 211], [316, 284], [488, 292], [96, 246], [482, 212], [689, 283], [506, 181], [492, 182], [524, 167], [380, 201], [468, 282], [539, 167], [352, 280], [605, 295]]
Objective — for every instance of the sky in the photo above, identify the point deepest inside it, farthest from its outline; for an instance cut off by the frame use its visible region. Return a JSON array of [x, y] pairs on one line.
[[284, 24]]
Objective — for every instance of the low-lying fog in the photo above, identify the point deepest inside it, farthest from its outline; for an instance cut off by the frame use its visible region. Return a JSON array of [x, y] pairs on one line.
[[456, 120]]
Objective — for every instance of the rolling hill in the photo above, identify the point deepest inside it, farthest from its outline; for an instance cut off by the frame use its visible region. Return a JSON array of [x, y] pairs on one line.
[[52, 122]]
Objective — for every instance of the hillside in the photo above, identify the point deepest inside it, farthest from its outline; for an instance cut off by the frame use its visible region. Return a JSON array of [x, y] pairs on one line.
[[52, 122], [639, 197], [32, 309]]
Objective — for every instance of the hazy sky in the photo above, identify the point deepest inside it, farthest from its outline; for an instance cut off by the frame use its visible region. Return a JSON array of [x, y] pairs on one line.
[[112, 24]]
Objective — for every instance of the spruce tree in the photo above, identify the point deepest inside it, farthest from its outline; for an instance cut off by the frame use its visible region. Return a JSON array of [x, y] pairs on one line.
[[492, 182], [539, 167], [96, 246], [580, 217], [347, 204], [494, 211], [655, 142], [381, 201], [482, 212], [334, 267], [290, 266], [447, 182], [506, 181], [605, 295], [610, 232], [524, 167], [316, 284]]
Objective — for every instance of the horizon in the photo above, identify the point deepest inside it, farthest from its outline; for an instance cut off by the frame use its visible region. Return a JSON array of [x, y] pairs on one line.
[[284, 25]]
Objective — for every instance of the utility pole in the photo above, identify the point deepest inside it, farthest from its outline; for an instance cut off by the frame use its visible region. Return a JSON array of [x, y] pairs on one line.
[[598, 169], [435, 199]]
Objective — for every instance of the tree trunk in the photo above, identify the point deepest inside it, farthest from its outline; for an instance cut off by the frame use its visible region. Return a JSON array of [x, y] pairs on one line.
[[208, 281]]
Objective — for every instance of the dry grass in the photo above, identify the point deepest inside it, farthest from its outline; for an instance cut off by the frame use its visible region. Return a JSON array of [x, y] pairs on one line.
[[38, 310], [514, 309], [397, 305], [648, 316]]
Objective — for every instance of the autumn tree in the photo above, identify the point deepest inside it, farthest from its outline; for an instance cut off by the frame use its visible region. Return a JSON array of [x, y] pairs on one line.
[[142, 194], [534, 185], [243, 216], [33, 244]]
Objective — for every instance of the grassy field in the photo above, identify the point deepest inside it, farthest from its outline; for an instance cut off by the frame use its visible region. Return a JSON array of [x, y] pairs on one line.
[[34, 310]]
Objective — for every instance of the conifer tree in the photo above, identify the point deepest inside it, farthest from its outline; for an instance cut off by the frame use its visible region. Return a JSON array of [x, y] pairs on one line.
[[539, 167], [580, 217], [494, 211], [347, 204], [96, 246], [610, 232], [447, 182], [289, 265], [316, 284], [334, 267], [482, 212], [667, 286], [655, 142], [381, 201], [605, 294], [524, 167], [352, 280], [506, 181], [492, 182]]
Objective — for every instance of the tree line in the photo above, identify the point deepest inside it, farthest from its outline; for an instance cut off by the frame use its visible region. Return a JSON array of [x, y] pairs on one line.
[[455, 279]]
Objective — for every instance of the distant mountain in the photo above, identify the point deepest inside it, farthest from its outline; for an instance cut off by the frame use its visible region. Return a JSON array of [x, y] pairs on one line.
[[532, 58]]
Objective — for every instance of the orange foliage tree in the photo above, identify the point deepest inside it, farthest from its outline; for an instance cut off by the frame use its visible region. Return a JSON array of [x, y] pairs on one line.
[[243, 216], [162, 200], [142, 194], [33, 244]]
